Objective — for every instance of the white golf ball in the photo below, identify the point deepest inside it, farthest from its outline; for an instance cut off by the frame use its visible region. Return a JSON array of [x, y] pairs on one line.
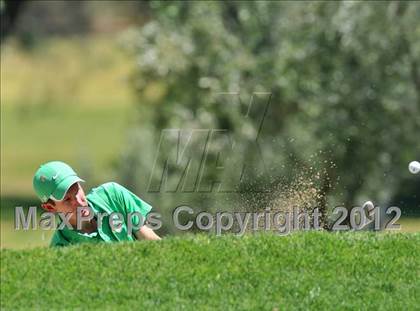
[[368, 205], [369, 208], [414, 167]]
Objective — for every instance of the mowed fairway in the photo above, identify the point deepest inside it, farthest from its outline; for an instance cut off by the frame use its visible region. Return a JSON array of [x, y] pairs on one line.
[[314, 270], [63, 101], [89, 138]]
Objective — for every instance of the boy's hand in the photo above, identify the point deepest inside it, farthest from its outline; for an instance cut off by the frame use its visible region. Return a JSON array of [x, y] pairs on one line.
[[146, 233]]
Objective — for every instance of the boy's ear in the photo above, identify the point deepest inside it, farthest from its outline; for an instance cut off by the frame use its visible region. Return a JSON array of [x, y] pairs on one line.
[[48, 207]]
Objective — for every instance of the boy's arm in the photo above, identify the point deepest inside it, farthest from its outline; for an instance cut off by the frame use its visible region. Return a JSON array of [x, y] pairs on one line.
[[133, 203], [146, 233]]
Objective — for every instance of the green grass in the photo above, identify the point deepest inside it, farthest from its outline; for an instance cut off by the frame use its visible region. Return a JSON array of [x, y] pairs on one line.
[[20, 239], [257, 272], [66, 99], [89, 139]]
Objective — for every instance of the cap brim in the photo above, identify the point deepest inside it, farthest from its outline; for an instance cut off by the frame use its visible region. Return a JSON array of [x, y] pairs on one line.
[[63, 186]]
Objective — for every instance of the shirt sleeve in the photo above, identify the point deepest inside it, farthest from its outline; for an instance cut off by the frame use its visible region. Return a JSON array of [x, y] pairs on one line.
[[57, 240], [133, 205]]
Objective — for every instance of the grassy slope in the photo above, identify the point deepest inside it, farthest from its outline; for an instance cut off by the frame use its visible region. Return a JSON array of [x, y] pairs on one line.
[[317, 270], [65, 99], [88, 138]]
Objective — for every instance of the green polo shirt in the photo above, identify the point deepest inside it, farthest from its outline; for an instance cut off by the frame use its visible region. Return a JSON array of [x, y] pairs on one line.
[[107, 198]]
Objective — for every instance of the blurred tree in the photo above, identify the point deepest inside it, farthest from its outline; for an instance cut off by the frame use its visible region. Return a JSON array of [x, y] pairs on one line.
[[344, 80], [40, 19], [34, 20], [9, 11]]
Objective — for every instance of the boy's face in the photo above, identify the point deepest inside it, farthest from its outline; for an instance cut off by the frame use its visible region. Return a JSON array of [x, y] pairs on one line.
[[74, 198]]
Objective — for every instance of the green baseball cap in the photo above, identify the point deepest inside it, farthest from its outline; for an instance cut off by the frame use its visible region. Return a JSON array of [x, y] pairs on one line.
[[53, 179]]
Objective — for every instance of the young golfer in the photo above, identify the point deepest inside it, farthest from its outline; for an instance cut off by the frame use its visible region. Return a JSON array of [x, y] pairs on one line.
[[108, 213]]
